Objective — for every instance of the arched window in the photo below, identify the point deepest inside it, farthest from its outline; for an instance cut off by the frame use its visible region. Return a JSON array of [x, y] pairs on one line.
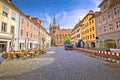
[[110, 44]]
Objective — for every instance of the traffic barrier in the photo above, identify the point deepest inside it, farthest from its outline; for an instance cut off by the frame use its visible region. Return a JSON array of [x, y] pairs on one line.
[[105, 55]]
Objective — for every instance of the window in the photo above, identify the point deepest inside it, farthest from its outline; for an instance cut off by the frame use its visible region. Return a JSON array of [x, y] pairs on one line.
[[93, 28], [90, 29], [93, 35], [105, 6], [105, 29], [90, 36], [22, 21], [60, 41], [12, 29], [27, 24], [117, 24], [109, 14], [13, 16], [21, 32], [5, 11], [110, 27], [4, 27], [98, 21], [31, 35], [103, 17], [92, 21], [100, 30], [27, 34], [116, 10]]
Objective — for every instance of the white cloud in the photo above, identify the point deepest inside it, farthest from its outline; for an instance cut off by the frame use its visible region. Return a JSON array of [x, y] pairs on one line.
[[71, 18], [48, 18], [96, 3]]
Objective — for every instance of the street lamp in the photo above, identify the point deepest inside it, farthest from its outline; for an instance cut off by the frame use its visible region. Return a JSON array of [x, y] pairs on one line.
[[12, 43]]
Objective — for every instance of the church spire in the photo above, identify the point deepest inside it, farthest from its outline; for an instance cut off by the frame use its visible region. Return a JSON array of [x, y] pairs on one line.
[[54, 22]]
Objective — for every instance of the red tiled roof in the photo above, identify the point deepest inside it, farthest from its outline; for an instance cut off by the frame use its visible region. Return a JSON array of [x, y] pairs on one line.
[[63, 31]]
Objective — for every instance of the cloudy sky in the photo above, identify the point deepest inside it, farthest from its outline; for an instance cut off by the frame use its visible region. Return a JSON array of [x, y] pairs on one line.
[[67, 12]]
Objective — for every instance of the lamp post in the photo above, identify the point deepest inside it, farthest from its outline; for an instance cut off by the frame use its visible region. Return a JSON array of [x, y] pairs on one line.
[[12, 43]]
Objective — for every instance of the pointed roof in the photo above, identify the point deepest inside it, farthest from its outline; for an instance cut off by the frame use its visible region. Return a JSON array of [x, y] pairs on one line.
[[54, 21]]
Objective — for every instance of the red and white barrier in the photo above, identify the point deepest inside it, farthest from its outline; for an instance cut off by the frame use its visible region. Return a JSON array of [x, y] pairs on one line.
[[103, 52]]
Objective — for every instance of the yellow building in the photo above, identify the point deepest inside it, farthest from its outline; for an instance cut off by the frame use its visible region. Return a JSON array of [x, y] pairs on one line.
[[89, 30], [9, 22]]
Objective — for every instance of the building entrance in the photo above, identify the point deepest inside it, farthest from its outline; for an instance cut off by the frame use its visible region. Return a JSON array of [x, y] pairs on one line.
[[3, 46]]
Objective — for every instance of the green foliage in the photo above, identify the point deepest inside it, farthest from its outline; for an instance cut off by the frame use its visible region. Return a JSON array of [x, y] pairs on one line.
[[68, 39]]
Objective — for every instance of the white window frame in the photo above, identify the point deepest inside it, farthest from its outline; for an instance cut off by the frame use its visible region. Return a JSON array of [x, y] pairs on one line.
[[5, 11], [12, 29], [13, 16], [110, 27], [4, 27]]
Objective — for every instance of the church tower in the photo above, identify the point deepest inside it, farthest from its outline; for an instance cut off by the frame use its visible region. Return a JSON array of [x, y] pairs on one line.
[[53, 27]]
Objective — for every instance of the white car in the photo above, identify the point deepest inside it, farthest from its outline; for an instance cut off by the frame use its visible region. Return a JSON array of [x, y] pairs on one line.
[[0, 59]]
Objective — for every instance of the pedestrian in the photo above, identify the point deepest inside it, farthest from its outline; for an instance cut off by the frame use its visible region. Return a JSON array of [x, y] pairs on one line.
[[1, 59]]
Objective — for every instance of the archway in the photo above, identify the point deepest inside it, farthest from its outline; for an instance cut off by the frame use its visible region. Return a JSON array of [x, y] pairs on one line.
[[110, 44], [92, 44]]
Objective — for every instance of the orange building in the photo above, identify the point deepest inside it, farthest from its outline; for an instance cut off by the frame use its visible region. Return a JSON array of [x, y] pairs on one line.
[[60, 36]]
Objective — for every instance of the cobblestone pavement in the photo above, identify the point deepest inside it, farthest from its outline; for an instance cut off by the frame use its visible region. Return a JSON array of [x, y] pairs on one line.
[[58, 64]]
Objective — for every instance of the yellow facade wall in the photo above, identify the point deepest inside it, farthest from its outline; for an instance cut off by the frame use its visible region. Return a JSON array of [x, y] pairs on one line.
[[89, 31], [7, 20]]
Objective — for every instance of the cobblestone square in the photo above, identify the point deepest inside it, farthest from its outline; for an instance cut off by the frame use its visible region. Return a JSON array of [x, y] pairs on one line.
[[59, 64]]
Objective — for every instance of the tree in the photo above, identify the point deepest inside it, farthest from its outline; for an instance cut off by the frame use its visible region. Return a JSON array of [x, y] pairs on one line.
[[68, 39]]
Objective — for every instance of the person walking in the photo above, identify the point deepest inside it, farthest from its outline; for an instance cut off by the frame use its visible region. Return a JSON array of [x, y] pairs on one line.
[[1, 59]]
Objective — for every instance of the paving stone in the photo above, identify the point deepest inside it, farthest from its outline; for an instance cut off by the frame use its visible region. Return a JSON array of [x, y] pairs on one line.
[[58, 64]]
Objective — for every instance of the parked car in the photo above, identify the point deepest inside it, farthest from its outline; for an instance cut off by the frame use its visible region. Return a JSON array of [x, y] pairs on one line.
[[68, 46], [0, 58]]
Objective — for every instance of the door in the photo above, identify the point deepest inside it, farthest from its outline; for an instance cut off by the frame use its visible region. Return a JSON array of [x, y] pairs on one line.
[[3, 46]]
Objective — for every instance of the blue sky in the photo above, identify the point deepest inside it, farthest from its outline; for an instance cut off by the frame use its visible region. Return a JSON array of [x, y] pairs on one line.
[[67, 12]]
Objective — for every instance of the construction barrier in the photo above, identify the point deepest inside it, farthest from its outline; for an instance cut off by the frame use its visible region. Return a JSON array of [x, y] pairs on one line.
[[106, 55]]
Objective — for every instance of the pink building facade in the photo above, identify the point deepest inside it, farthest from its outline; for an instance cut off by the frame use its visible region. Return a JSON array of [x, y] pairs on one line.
[[108, 24], [28, 33]]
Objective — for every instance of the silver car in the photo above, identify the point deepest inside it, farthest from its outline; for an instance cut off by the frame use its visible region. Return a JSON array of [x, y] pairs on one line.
[[0, 58]]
